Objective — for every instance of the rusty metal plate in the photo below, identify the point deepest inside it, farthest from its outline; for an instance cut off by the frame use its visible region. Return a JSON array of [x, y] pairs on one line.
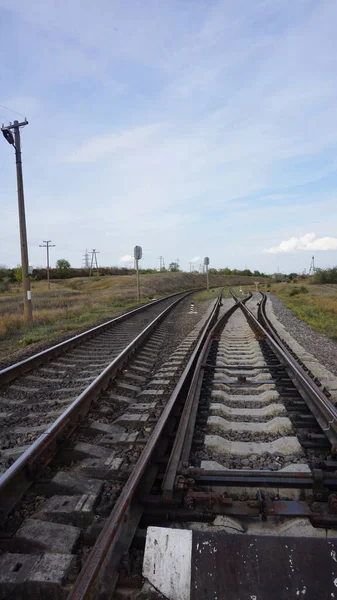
[[243, 567]]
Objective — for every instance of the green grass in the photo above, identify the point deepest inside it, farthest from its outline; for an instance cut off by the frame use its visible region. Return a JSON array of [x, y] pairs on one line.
[[73, 305], [72, 324], [211, 294], [317, 306]]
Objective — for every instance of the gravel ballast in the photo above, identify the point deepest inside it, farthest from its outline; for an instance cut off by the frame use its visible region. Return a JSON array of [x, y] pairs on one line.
[[319, 345]]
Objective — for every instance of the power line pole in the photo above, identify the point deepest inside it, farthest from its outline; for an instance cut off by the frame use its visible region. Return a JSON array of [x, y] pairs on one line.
[[93, 253], [16, 142], [47, 244], [190, 263], [86, 259], [160, 258], [312, 266]]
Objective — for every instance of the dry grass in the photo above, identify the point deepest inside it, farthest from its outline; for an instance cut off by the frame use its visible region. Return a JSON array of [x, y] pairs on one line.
[[317, 307], [212, 294], [74, 304]]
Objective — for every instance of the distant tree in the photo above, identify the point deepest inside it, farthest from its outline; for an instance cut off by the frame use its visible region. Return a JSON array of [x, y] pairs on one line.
[[18, 273], [173, 267], [225, 271], [213, 271], [325, 275], [4, 284], [63, 267]]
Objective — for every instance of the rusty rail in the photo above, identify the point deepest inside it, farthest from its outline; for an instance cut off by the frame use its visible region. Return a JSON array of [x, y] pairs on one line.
[[183, 440], [13, 371], [21, 474], [323, 410], [99, 574]]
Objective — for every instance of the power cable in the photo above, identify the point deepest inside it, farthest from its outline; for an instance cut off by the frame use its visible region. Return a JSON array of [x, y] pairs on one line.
[[15, 112], [4, 162]]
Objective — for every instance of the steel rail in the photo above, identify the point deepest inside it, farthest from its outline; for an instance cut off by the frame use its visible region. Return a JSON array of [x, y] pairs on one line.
[[13, 371], [105, 556], [184, 436], [323, 410], [278, 479], [21, 474]]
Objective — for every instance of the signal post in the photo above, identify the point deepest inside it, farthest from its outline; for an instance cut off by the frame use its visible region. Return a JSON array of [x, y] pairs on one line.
[[137, 253]]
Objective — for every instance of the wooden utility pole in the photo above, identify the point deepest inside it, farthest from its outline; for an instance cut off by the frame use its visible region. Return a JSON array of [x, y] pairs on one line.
[[16, 142], [47, 244]]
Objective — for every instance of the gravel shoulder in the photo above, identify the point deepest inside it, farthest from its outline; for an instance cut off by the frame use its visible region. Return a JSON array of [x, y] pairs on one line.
[[320, 346]]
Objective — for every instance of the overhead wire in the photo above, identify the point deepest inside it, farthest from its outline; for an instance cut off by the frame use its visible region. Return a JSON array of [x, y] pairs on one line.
[[4, 162], [15, 112]]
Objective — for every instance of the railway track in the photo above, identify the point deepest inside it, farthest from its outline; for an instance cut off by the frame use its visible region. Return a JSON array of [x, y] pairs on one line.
[[213, 476], [106, 394], [35, 391]]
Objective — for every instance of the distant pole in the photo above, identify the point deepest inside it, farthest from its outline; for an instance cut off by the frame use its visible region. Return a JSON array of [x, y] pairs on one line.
[[138, 283], [137, 253], [206, 263], [16, 142], [190, 263], [47, 244], [312, 266], [86, 259], [94, 253]]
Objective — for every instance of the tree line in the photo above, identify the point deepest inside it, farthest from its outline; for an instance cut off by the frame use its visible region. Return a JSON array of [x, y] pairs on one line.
[[325, 275], [63, 270]]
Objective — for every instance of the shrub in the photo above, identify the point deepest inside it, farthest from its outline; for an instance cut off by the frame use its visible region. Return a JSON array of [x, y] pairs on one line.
[[298, 290], [18, 274], [325, 275], [4, 284]]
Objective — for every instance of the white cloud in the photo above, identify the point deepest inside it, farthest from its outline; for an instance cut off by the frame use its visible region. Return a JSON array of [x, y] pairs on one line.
[[309, 241], [126, 258], [171, 127], [195, 259]]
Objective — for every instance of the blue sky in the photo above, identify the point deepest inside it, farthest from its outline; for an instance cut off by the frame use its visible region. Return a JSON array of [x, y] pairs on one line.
[[190, 127]]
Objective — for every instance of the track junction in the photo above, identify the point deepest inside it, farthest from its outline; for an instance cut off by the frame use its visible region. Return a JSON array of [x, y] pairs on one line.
[[209, 474]]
